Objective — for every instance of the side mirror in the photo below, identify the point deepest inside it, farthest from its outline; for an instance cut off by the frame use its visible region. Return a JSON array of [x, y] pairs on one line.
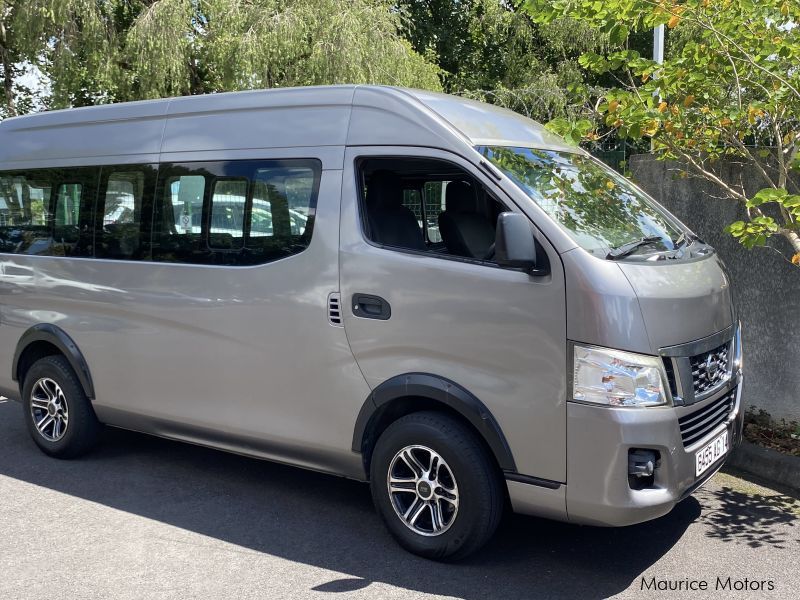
[[514, 244]]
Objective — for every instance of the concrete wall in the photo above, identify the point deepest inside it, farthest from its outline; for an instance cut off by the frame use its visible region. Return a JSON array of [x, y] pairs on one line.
[[766, 287]]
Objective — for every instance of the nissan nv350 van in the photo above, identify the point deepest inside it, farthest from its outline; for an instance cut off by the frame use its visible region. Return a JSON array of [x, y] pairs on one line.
[[427, 293]]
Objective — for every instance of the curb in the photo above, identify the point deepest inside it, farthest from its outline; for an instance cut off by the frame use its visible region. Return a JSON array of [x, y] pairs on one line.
[[767, 465]]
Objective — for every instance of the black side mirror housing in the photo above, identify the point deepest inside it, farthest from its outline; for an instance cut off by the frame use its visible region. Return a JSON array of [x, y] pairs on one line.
[[514, 243]]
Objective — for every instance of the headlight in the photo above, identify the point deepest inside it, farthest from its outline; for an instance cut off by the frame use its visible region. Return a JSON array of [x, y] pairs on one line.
[[616, 378]]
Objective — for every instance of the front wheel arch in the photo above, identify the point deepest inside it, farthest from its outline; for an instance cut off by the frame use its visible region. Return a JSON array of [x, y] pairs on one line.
[[413, 392]]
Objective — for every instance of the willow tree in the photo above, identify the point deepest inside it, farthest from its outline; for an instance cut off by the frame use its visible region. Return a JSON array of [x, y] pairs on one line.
[[112, 50], [15, 97]]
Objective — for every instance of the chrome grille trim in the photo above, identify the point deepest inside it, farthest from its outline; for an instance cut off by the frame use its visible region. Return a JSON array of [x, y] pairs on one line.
[[687, 367], [711, 369]]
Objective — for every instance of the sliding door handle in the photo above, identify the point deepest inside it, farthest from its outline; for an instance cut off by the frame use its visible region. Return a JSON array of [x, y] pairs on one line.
[[371, 307]]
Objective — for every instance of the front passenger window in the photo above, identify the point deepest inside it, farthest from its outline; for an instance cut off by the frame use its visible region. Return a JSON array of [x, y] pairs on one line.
[[428, 205]]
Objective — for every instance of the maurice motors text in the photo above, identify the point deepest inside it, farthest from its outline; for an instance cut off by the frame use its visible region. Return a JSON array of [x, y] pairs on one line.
[[720, 583]]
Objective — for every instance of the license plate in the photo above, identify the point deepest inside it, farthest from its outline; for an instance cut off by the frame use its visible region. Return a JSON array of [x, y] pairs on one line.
[[710, 453]]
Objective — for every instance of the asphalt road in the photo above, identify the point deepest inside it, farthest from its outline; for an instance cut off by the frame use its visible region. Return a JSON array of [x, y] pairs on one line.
[[149, 518]]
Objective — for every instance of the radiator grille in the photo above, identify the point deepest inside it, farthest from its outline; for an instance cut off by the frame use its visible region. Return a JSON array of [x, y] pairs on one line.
[[695, 426]]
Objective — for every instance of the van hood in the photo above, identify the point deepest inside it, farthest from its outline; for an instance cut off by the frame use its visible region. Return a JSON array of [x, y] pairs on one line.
[[682, 301], [643, 307]]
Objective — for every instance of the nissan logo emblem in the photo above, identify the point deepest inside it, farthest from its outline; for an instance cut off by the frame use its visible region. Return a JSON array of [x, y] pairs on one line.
[[711, 366]]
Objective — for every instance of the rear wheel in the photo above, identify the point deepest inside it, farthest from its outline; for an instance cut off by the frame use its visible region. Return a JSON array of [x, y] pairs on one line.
[[435, 486], [58, 414]]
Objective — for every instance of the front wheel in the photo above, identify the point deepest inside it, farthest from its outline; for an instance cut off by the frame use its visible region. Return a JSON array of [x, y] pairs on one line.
[[435, 486], [58, 414]]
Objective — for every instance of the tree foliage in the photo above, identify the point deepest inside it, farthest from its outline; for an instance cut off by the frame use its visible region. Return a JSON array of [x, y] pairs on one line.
[[114, 50], [489, 50], [13, 95], [730, 86]]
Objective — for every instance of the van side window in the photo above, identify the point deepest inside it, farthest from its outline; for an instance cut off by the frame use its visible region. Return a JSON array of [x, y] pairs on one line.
[[234, 213], [283, 209], [72, 235], [228, 200], [25, 212], [428, 205], [123, 223]]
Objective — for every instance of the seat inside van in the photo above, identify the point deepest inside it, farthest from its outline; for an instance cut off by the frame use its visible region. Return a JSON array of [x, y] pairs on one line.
[[428, 205], [390, 222], [464, 229]]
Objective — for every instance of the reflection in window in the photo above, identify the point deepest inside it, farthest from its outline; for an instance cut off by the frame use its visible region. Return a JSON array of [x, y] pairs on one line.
[[226, 229], [599, 208], [122, 234], [234, 212], [186, 196], [24, 215], [123, 198], [67, 213]]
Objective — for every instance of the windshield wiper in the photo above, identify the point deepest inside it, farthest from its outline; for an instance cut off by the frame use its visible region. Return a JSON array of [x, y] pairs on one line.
[[631, 247]]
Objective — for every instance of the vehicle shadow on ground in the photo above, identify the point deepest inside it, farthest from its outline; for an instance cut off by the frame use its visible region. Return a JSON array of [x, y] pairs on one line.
[[329, 522]]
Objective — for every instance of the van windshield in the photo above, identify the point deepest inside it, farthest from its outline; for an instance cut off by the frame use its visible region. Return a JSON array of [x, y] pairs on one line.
[[603, 212]]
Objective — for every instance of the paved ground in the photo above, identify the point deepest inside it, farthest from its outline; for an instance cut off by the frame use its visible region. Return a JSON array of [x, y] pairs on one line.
[[148, 518]]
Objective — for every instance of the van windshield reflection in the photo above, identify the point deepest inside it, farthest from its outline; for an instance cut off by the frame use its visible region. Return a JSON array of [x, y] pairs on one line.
[[603, 212]]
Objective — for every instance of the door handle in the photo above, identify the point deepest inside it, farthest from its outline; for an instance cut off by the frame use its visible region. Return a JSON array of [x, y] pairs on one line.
[[371, 307]]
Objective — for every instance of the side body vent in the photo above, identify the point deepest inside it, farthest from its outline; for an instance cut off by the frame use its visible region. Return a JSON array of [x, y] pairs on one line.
[[335, 309]]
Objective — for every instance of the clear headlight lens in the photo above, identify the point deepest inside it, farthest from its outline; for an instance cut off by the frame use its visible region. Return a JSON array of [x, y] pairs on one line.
[[616, 378]]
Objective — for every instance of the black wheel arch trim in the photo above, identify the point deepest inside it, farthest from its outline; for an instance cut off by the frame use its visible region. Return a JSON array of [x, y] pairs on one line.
[[531, 480], [444, 391], [47, 332]]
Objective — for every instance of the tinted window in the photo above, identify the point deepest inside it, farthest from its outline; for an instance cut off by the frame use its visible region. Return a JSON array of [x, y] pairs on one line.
[[24, 213], [234, 212], [228, 203], [47, 211], [123, 220]]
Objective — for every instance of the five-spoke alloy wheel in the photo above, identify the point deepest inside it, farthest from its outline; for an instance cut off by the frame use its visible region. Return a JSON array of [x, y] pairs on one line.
[[436, 485]]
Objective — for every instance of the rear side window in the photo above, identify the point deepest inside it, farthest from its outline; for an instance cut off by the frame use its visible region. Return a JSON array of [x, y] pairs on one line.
[[48, 212], [234, 212], [228, 205], [25, 225], [123, 219]]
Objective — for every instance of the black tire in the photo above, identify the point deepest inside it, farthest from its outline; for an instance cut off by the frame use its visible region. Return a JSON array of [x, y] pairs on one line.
[[82, 428], [480, 493]]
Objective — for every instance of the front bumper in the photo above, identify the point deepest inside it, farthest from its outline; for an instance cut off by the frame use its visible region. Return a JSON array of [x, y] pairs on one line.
[[598, 441]]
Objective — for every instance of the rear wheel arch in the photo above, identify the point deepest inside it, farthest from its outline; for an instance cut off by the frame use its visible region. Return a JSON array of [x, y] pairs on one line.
[[47, 339], [414, 392]]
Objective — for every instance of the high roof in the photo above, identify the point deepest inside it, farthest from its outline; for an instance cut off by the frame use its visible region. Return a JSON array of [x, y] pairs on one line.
[[277, 118]]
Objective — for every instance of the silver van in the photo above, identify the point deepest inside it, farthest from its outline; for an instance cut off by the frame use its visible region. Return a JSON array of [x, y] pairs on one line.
[[430, 294]]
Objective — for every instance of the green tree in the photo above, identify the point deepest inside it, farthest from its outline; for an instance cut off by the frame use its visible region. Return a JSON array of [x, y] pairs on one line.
[[12, 94], [489, 50], [730, 85], [97, 51]]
